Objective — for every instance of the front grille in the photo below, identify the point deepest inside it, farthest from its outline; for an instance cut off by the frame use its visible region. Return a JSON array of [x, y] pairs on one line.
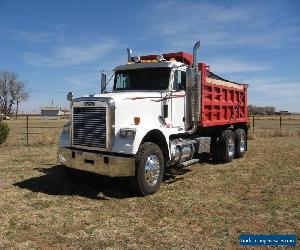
[[89, 127]]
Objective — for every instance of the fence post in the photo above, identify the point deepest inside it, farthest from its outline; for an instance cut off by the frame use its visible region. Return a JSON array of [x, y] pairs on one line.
[[253, 123], [27, 130], [280, 122]]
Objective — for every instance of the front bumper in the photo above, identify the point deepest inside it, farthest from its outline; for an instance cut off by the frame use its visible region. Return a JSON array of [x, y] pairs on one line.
[[103, 164]]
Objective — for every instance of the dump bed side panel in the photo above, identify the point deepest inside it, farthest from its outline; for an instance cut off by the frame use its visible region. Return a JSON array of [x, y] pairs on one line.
[[223, 102]]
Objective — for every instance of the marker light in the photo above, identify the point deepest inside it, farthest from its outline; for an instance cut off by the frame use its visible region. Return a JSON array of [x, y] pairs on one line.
[[137, 120], [160, 58], [137, 59]]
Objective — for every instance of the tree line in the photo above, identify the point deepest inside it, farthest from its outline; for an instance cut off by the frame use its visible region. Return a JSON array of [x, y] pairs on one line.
[[12, 92], [267, 110]]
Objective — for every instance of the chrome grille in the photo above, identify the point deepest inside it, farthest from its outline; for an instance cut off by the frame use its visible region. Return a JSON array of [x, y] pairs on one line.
[[89, 127]]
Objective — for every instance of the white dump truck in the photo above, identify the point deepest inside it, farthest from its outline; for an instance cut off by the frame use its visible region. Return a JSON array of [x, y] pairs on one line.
[[163, 110]]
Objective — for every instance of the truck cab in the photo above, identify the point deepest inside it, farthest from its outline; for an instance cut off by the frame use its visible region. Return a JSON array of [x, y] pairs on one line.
[[149, 121]]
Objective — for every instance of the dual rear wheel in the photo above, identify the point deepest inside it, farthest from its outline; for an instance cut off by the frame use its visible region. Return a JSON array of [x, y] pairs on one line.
[[229, 145]]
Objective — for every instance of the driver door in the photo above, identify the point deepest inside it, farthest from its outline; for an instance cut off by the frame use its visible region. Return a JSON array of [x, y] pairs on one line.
[[178, 99]]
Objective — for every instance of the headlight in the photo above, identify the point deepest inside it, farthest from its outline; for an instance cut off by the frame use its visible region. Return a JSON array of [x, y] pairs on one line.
[[127, 132], [65, 140]]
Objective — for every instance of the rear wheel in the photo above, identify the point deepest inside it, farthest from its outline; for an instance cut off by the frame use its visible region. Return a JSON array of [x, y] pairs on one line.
[[223, 146], [227, 146], [240, 142], [149, 169]]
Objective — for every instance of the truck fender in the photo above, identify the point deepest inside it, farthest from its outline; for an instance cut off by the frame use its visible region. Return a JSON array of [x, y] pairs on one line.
[[155, 135]]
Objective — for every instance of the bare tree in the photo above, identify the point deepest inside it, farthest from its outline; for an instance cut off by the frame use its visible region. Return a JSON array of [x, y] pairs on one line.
[[21, 95], [268, 110], [12, 92]]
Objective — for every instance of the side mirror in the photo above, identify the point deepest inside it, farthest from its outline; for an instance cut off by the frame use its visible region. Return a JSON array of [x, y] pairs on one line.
[[70, 96], [103, 82]]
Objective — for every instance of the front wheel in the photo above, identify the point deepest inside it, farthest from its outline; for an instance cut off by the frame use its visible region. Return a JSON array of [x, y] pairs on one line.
[[149, 169]]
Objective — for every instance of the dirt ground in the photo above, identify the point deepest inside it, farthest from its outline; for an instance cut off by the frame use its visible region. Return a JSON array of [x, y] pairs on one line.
[[205, 206]]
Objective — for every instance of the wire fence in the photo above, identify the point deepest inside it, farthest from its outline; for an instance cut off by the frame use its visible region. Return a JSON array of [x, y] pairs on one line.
[[275, 125], [40, 130], [35, 129]]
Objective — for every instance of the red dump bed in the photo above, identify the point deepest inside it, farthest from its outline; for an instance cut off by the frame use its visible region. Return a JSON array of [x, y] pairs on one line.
[[223, 102]]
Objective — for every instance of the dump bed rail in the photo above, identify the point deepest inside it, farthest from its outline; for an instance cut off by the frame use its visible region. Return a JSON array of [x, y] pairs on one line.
[[223, 102]]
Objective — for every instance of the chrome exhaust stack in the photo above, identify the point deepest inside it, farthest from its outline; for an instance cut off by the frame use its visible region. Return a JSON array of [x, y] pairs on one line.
[[193, 94], [195, 51], [129, 54]]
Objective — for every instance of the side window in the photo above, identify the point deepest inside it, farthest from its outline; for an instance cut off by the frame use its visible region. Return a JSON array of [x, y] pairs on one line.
[[179, 80], [122, 81]]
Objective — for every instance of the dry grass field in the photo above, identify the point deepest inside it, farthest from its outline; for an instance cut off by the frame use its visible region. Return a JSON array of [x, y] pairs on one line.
[[205, 206], [269, 126]]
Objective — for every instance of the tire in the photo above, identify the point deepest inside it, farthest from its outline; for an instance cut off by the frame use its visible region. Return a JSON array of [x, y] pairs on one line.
[[227, 146], [240, 142], [215, 148], [149, 169]]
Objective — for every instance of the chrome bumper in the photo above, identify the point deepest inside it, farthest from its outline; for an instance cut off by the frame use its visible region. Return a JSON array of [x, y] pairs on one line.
[[96, 162]]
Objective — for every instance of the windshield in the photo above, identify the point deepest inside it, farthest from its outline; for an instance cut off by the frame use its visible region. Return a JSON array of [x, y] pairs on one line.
[[142, 79]]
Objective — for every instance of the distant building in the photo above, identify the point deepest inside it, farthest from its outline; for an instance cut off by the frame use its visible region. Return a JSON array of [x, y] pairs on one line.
[[51, 112], [283, 112]]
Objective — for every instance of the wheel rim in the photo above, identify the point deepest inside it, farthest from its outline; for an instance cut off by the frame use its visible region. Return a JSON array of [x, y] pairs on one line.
[[230, 147], [152, 170], [242, 144]]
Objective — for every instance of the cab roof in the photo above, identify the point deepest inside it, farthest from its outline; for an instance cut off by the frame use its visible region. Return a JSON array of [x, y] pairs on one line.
[[183, 57], [143, 65], [171, 60]]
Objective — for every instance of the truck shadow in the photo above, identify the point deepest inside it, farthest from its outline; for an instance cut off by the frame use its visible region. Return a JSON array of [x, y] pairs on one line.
[[175, 173], [59, 180]]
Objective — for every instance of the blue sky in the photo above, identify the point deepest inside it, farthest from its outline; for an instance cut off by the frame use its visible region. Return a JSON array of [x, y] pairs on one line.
[[61, 46]]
